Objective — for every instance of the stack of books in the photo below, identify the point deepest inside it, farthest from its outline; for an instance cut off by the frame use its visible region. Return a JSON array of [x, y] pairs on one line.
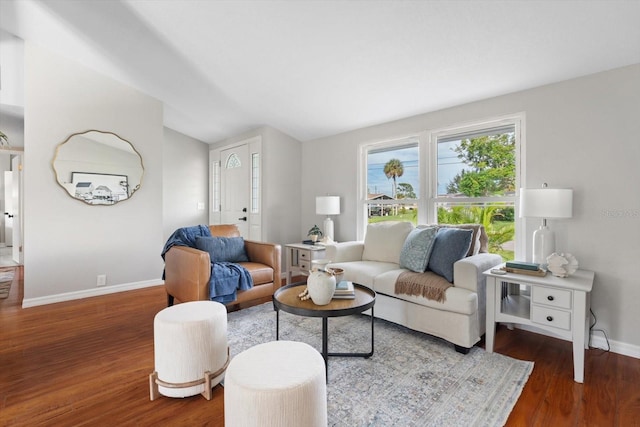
[[521, 267], [344, 290]]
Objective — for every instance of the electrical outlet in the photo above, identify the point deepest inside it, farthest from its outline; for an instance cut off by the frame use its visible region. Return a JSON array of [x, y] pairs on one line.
[[102, 280], [200, 206]]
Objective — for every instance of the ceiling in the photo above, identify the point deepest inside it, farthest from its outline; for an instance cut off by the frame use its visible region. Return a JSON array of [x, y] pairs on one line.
[[318, 68]]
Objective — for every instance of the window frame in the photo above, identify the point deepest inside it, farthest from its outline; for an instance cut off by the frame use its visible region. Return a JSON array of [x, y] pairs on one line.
[[215, 186], [412, 140], [427, 196], [433, 199]]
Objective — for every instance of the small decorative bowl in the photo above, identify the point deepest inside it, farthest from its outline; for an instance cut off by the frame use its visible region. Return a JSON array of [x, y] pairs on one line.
[[338, 272]]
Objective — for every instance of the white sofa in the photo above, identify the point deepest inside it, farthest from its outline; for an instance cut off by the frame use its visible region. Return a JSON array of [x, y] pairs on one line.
[[375, 263]]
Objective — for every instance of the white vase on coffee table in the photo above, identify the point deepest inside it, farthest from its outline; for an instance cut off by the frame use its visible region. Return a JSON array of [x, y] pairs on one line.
[[321, 286]]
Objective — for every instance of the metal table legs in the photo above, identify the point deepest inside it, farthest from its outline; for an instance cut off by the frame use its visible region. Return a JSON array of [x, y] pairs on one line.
[[325, 341]]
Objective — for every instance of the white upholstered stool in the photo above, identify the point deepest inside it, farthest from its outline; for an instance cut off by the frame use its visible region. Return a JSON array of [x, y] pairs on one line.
[[191, 351], [276, 384]]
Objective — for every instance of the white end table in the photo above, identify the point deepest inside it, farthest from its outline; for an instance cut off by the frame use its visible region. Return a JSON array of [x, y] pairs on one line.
[[299, 257], [554, 304]]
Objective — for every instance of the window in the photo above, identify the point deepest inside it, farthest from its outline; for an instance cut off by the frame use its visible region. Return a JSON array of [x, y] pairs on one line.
[[216, 202], [392, 181], [233, 161], [255, 183], [457, 175], [473, 180]]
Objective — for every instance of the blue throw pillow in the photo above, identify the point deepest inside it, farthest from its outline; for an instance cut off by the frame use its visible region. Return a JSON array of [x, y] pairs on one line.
[[417, 248], [223, 249], [451, 245]]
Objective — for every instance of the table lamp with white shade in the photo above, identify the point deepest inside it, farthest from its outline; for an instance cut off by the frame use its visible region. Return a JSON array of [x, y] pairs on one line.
[[328, 205], [545, 203]]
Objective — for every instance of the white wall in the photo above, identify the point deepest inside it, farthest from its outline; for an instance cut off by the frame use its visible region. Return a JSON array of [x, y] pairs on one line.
[[582, 133], [68, 243], [185, 181], [281, 185], [12, 76], [12, 88]]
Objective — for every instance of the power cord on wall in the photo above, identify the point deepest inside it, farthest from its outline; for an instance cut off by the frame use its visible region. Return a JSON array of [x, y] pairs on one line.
[[595, 320]]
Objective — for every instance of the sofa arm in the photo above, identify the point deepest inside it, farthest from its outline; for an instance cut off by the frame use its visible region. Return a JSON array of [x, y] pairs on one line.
[[268, 254], [187, 273], [467, 272], [344, 251]]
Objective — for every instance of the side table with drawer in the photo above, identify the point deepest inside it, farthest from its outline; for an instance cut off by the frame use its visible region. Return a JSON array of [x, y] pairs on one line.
[[299, 257], [559, 305]]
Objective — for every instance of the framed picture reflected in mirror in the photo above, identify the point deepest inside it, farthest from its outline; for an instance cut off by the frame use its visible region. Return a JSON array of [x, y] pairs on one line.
[[99, 188]]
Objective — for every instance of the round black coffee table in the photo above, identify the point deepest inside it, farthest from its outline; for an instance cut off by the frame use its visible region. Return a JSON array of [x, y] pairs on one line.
[[286, 299]]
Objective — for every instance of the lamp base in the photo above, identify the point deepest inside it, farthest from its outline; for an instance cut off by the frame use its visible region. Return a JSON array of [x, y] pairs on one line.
[[544, 244], [328, 228]]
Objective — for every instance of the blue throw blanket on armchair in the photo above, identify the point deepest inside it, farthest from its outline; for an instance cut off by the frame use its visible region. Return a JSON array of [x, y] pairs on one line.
[[185, 236], [226, 278]]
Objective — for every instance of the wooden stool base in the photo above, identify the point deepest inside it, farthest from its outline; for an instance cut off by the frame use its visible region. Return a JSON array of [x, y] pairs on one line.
[[154, 382]]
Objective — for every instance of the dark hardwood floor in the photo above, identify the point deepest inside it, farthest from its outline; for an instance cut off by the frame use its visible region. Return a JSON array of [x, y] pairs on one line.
[[87, 362]]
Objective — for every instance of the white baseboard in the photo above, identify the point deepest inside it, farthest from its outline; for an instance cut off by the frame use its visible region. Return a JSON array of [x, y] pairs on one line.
[[86, 293], [597, 341]]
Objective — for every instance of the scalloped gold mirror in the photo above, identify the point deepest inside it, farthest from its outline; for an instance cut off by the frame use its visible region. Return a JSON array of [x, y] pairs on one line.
[[98, 168]]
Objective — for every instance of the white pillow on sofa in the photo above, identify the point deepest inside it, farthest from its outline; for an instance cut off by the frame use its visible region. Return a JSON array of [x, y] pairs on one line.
[[384, 240]]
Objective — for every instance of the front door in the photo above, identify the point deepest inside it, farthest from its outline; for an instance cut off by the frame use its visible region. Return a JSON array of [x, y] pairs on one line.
[[235, 186]]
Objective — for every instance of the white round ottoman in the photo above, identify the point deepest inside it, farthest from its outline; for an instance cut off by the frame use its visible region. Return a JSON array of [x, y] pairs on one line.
[[191, 351], [276, 384]]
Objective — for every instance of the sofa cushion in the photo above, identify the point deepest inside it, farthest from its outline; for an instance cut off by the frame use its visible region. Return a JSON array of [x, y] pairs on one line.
[[479, 240], [260, 273], [364, 272], [384, 240], [223, 249], [457, 300], [451, 245], [417, 248], [476, 242]]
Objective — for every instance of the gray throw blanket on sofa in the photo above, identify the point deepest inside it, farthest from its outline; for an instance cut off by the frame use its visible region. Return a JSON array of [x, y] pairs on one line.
[[226, 278]]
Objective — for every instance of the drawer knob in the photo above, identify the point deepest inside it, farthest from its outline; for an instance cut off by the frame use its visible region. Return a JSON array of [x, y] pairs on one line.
[[550, 298], [550, 319]]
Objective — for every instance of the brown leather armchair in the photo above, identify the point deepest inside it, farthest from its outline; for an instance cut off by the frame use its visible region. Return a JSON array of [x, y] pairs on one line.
[[188, 270]]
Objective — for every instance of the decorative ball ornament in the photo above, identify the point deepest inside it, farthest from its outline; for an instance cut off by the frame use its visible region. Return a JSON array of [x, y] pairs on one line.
[[562, 265], [304, 295]]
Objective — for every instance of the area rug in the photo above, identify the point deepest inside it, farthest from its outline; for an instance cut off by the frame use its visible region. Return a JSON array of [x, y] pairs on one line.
[[413, 379], [6, 279]]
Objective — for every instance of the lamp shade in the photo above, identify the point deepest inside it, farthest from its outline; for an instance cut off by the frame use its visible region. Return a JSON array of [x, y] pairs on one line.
[[546, 202], [328, 205]]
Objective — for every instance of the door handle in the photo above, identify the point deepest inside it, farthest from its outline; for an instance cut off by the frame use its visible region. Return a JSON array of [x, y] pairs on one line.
[[244, 218]]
